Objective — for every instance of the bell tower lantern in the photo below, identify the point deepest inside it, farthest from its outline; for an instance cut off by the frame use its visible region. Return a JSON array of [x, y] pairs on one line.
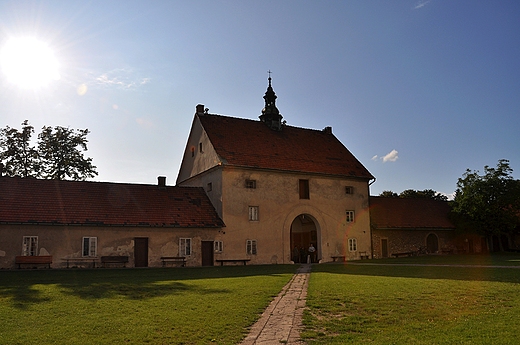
[[270, 114]]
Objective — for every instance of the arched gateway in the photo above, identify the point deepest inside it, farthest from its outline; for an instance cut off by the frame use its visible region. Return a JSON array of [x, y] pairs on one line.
[[304, 233]]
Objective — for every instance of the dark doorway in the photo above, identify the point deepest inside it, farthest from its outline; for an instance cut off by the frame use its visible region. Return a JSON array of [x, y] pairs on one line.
[[384, 247], [141, 252], [207, 253], [304, 232], [432, 243]]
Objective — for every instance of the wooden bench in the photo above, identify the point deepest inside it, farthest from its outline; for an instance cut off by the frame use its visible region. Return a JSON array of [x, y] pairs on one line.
[[338, 257], [174, 260], [364, 255], [33, 260], [92, 259], [232, 260], [403, 254], [114, 259]]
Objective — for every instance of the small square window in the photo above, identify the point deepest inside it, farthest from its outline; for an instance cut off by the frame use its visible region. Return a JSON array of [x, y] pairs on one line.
[[349, 190], [219, 246], [350, 216], [251, 184], [251, 247], [253, 213]]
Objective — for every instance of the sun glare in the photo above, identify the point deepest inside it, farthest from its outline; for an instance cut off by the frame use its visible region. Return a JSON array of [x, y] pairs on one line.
[[28, 63]]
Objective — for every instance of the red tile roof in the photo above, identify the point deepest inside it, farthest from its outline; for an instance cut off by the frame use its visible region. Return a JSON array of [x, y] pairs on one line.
[[401, 213], [250, 143], [28, 200]]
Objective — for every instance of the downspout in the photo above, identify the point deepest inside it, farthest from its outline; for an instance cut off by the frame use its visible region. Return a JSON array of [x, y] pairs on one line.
[[370, 221]]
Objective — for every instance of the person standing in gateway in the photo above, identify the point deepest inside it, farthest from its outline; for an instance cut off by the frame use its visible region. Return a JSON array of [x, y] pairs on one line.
[[312, 254]]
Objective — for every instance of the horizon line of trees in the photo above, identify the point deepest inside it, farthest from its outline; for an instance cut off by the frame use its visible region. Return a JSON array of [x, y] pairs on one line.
[[418, 194], [58, 153]]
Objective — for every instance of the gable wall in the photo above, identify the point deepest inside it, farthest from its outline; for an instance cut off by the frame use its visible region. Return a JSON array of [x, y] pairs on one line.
[[199, 162]]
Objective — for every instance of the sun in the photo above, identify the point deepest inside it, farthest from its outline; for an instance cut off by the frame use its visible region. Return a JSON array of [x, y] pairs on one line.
[[28, 63]]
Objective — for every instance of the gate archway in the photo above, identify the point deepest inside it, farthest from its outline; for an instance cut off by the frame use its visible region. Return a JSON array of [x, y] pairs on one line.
[[432, 243], [304, 232]]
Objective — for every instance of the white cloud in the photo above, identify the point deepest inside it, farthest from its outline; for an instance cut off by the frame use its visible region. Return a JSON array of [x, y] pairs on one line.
[[392, 156], [121, 78], [375, 158], [421, 4]]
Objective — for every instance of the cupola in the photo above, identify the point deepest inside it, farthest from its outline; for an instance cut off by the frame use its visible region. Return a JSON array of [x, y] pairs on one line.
[[270, 114]]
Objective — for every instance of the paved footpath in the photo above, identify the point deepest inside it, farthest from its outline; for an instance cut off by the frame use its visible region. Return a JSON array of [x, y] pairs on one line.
[[281, 322]]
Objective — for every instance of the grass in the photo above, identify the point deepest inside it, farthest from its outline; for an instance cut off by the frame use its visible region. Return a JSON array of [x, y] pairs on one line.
[[392, 304], [378, 303], [132, 306]]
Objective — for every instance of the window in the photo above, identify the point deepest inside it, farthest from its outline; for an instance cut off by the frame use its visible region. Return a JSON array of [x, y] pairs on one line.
[[251, 184], [200, 148], [185, 247], [89, 246], [253, 213], [349, 190], [251, 247], [219, 246], [304, 189], [352, 245], [192, 151], [209, 187], [350, 216], [30, 246]]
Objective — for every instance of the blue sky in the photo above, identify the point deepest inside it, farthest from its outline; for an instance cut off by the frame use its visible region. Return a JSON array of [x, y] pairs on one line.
[[419, 91]]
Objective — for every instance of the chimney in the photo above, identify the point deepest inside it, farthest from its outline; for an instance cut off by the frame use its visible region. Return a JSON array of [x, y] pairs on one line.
[[327, 130], [199, 109], [161, 181]]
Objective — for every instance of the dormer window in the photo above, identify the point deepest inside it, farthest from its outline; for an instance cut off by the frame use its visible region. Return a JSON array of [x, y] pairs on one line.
[[251, 184]]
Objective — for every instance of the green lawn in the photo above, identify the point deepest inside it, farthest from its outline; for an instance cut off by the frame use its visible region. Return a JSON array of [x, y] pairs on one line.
[[389, 304], [347, 303], [136, 306]]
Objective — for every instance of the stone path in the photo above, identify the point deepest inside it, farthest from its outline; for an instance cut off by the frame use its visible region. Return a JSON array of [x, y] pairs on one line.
[[281, 322]]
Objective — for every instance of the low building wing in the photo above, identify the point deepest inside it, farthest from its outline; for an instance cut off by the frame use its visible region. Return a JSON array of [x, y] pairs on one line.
[[35, 201], [409, 213]]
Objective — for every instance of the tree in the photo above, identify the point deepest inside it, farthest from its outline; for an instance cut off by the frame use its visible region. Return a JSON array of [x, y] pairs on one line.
[[489, 203], [60, 154], [425, 194], [411, 193], [388, 194], [19, 158]]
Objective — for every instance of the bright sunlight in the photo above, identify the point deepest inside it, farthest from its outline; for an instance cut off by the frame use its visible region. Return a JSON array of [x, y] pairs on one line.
[[28, 63]]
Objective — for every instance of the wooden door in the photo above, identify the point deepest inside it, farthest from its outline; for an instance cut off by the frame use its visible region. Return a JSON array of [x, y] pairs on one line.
[[141, 252], [384, 247], [207, 253]]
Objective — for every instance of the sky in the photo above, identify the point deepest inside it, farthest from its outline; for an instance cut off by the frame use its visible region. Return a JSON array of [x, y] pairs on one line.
[[418, 91]]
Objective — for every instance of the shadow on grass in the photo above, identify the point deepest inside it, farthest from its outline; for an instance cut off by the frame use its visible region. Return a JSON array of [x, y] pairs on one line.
[[23, 287], [468, 267]]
